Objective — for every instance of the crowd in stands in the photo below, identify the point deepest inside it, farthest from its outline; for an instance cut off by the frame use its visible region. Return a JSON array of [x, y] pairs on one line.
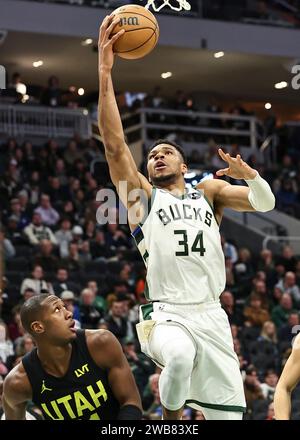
[[53, 243]]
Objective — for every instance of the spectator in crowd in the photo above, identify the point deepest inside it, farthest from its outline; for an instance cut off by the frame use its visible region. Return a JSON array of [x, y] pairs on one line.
[[64, 237], [150, 398], [252, 387], [72, 153], [269, 385], [116, 322], [99, 248], [6, 346], [243, 269], [16, 210], [140, 365], [36, 282], [89, 315], [227, 302], [24, 344], [28, 293], [62, 282], [288, 285], [72, 262], [229, 250], [37, 231], [48, 214], [17, 84], [61, 173], [84, 252], [271, 412], [99, 302], [288, 259], [52, 95], [68, 298], [255, 314], [15, 328], [9, 251], [289, 330], [260, 289], [45, 257], [268, 333], [280, 313]]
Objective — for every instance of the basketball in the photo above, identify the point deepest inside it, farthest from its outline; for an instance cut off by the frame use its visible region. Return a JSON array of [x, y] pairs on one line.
[[141, 32]]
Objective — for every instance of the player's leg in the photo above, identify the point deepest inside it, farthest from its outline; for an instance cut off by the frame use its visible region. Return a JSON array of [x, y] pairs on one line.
[[172, 347], [214, 414]]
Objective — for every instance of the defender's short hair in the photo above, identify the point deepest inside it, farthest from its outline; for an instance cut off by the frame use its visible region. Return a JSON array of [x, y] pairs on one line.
[[173, 144], [31, 311]]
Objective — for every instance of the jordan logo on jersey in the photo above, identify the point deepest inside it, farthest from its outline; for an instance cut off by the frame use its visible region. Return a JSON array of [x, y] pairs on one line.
[[44, 388]]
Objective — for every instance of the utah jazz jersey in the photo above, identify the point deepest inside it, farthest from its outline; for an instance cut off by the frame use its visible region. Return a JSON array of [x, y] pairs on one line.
[[181, 247], [83, 393]]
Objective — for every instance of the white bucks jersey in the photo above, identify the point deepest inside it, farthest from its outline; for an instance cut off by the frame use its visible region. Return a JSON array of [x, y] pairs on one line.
[[181, 247]]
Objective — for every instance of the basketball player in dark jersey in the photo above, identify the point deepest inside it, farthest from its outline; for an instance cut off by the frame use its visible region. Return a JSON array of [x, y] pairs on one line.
[[72, 374]]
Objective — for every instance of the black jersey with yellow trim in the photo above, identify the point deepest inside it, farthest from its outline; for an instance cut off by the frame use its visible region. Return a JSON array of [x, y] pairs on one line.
[[82, 393]]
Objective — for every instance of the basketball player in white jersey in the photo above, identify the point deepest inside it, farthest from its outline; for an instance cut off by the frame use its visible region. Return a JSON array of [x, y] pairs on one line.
[[289, 379], [183, 328]]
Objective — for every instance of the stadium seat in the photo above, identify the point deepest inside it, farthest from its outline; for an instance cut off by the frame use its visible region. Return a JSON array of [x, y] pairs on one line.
[[98, 267], [19, 264], [263, 356]]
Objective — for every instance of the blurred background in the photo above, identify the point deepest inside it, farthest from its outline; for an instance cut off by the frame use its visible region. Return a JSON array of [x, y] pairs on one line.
[[221, 75]]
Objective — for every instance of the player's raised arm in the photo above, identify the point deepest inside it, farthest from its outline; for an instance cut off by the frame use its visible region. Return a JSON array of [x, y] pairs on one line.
[[257, 196], [289, 378], [121, 163]]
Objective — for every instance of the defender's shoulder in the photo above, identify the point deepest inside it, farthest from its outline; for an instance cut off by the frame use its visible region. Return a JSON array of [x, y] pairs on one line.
[[16, 386], [99, 337], [103, 346]]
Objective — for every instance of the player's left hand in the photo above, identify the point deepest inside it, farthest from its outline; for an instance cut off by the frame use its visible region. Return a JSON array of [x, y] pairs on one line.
[[237, 169]]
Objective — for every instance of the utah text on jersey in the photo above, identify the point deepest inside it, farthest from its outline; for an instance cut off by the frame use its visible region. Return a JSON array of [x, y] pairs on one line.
[[77, 403]]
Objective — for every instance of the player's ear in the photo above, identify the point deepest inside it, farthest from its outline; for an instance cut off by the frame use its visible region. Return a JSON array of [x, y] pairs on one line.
[[184, 168], [37, 327]]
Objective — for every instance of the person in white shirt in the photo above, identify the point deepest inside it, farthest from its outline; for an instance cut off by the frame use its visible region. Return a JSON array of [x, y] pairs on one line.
[[37, 283], [37, 231], [269, 385]]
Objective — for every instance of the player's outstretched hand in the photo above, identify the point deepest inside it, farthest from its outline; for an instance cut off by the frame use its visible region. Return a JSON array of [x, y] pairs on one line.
[[106, 42], [237, 168]]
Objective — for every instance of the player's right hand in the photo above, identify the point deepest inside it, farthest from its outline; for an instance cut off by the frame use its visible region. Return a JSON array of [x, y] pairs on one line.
[[105, 42]]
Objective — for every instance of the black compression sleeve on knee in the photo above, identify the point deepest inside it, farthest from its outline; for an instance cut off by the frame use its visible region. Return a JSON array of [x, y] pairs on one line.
[[130, 412]]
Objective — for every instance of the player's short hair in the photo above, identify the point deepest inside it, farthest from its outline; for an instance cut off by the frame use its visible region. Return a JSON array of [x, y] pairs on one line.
[[31, 311], [166, 141]]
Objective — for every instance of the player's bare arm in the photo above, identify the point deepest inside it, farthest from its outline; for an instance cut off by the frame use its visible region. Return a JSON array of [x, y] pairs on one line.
[[120, 161], [289, 378], [257, 196], [16, 392], [108, 354]]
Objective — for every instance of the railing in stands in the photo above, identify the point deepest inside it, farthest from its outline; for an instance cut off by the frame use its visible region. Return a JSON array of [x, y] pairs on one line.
[[20, 120], [279, 241], [192, 127]]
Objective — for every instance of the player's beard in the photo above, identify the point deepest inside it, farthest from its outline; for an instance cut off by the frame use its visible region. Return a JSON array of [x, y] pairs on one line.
[[164, 180]]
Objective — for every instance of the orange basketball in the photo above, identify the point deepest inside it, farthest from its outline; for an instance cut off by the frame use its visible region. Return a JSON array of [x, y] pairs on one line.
[[141, 32]]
